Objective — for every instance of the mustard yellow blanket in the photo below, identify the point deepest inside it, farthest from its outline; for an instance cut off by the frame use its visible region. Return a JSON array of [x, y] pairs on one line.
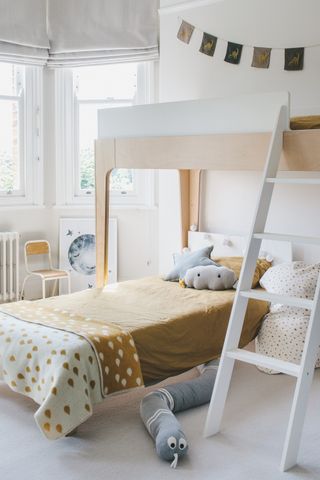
[[174, 328]]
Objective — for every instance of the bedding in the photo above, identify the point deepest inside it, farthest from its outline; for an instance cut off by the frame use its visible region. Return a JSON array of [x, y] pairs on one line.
[[305, 123], [173, 330], [235, 264], [284, 329], [187, 260]]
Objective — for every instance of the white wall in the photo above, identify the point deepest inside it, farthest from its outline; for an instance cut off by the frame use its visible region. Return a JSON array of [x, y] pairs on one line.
[[137, 227], [228, 198]]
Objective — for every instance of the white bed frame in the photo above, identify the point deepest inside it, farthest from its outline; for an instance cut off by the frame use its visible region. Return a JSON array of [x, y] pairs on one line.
[[225, 245], [215, 134]]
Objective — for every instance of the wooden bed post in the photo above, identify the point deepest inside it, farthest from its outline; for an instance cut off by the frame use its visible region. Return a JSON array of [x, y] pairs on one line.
[[194, 209], [105, 162], [184, 177], [189, 202]]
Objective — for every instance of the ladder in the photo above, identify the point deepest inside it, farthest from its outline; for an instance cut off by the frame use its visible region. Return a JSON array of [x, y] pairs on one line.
[[303, 372]]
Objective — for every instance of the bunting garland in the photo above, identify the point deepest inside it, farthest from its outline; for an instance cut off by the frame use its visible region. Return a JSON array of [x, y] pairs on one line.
[[293, 57]]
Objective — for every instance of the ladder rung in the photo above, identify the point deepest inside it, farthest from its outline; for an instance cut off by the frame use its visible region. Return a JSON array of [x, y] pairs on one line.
[[274, 298], [294, 181], [287, 238], [264, 361]]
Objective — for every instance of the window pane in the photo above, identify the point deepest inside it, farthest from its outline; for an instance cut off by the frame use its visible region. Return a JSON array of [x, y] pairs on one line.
[[87, 134], [9, 79], [121, 180], [107, 81], [107, 86], [9, 146]]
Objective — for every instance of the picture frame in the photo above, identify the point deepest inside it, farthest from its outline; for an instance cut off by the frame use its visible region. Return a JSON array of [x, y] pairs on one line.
[[77, 253]]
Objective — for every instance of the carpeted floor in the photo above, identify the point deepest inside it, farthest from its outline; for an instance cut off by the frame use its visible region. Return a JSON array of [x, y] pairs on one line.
[[113, 444]]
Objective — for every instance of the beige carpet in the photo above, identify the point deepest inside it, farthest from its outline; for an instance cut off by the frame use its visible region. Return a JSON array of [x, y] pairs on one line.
[[113, 444]]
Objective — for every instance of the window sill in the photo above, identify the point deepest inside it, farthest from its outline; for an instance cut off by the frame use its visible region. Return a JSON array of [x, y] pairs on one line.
[[22, 207], [112, 207]]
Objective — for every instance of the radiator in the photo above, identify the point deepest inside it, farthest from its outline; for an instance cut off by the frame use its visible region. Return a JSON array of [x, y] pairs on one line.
[[9, 266]]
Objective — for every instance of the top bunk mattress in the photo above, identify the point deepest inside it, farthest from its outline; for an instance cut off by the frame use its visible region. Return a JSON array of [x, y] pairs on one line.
[[174, 329]]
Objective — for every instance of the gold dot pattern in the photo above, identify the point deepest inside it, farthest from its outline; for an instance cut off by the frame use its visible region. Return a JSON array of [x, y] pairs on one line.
[[65, 379]]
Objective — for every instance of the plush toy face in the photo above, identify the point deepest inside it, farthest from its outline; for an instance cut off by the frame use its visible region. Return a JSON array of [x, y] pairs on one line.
[[172, 444], [210, 277]]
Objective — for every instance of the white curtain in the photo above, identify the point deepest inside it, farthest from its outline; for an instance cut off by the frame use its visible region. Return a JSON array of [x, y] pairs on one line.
[[78, 32], [23, 31]]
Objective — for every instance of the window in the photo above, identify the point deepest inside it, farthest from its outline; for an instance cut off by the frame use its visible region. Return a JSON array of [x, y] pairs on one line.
[[85, 91], [19, 146]]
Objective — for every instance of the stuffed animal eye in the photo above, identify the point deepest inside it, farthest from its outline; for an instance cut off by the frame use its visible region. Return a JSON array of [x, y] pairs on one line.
[[198, 274], [172, 442], [182, 443], [219, 276]]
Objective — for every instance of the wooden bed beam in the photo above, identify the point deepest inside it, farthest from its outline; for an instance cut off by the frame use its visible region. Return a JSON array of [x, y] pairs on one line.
[[189, 202], [228, 152], [105, 162]]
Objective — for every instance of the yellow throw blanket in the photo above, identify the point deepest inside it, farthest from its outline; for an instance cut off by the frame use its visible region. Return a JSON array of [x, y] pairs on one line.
[[115, 350]]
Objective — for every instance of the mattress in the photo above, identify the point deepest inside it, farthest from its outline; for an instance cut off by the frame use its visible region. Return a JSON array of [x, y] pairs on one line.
[[174, 328]]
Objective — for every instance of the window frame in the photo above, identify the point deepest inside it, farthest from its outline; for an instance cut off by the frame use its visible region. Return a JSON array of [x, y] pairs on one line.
[[67, 152], [30, 141]]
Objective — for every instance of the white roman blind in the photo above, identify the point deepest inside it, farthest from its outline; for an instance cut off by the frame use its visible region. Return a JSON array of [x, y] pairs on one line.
[[23, 31], [68, 33], [89, 32]]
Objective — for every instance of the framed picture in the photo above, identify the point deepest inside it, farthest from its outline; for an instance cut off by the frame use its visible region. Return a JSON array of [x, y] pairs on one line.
[[77, 252]]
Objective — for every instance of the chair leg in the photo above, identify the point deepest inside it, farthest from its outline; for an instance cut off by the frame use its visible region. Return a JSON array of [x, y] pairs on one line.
[[54, 288], [23, 287], [43, 288]]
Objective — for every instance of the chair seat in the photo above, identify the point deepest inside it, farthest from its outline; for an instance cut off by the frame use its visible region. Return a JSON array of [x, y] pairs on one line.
[[51, 273]]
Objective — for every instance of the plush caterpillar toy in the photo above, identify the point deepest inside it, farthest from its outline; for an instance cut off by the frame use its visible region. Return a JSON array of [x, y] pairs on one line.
[[157, 411]]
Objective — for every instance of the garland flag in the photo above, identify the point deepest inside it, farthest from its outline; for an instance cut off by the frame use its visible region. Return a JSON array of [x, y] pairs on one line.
[[208, 44], [233, 54], [185, 32], [261, 57], [293, 57]]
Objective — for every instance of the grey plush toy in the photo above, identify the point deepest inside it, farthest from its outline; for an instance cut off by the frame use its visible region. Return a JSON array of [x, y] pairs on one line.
[[210, 277], [158, 407]]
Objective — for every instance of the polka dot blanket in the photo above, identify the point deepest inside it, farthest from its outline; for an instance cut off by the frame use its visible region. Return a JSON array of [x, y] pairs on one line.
[[64, 362]]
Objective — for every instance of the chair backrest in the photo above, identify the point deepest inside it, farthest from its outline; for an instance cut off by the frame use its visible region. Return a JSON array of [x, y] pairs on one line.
[[37, 247]]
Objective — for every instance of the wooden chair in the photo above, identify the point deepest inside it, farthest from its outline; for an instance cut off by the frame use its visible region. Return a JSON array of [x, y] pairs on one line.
[[42, 247]]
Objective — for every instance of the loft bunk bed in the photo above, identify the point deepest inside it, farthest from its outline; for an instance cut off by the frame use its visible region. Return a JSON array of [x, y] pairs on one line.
[[219, 134], [243, 133], [165, 329]]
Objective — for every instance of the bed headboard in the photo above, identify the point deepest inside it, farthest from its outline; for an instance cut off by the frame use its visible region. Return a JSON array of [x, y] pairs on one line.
[[234, 246]]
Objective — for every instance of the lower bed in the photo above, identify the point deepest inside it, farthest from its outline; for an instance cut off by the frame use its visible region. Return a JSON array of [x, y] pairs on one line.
[[171, 330]]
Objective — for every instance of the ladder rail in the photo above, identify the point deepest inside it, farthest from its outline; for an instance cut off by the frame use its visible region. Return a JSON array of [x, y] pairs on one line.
[[303, 386], [305, 371], [222, 383]]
